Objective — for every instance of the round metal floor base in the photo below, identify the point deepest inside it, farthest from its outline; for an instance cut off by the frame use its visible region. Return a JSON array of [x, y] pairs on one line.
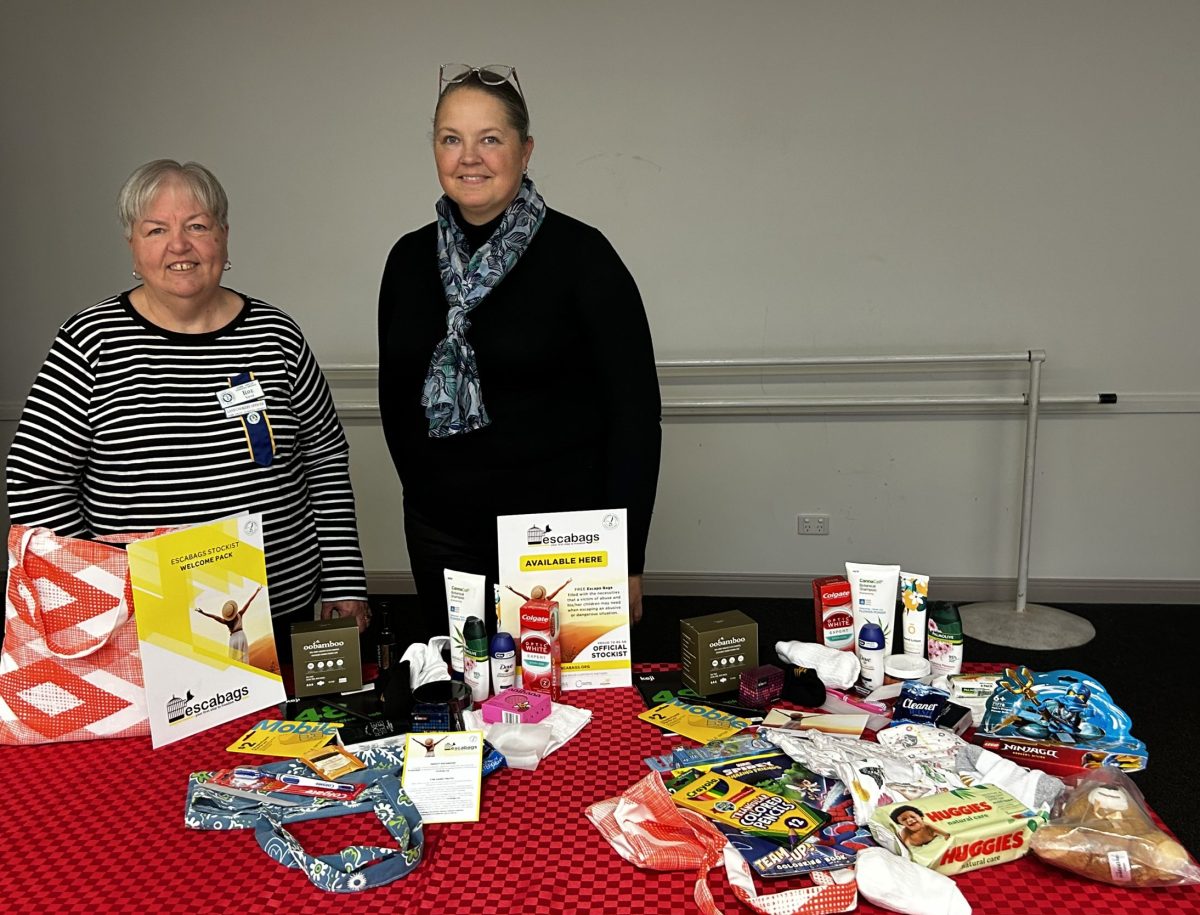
[[1037, 627]]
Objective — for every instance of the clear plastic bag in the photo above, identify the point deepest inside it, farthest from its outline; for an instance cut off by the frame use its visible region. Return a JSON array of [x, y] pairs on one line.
[[1101, 830]]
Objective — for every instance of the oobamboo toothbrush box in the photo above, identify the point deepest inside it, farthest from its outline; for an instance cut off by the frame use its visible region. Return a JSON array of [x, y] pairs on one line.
[[715, 649]]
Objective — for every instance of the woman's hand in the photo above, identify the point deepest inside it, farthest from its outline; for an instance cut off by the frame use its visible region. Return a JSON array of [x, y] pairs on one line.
[[635, 598], [359, 609]]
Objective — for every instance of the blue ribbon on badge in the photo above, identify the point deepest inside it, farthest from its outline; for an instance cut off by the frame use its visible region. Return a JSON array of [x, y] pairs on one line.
[[259, 437]]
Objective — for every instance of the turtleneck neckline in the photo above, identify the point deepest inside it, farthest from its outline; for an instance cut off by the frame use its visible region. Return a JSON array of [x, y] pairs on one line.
[[476, 236]]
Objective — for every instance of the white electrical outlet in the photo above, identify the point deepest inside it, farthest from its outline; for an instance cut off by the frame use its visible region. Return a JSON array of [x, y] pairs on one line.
[[812, 524]]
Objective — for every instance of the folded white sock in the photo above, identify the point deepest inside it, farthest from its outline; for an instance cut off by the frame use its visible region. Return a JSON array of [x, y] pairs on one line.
[[903, 886], [838, 669], [425, 664]]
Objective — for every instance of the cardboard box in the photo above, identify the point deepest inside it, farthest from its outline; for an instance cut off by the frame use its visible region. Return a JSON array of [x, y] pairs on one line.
[[541, 648], [326, 657], [715, 649], [516, 706], [957, 831]]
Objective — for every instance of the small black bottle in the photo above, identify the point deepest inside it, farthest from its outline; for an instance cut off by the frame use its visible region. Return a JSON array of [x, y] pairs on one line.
[[387, 653]]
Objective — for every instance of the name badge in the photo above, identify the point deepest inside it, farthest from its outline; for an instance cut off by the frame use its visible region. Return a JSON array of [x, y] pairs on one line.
[[237, 394], [253, 406]]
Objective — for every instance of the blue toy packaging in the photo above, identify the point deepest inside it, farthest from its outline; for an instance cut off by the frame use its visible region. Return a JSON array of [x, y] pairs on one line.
[[1061, 721]]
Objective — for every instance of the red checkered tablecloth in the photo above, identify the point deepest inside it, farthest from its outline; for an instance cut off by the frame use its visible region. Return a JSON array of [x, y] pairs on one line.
[[98, 827]]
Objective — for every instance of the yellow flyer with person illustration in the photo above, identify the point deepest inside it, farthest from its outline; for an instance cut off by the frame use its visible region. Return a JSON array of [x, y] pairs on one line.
[[203, 615]]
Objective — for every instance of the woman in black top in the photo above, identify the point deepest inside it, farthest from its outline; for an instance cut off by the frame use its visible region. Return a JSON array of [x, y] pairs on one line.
[[519, 381]]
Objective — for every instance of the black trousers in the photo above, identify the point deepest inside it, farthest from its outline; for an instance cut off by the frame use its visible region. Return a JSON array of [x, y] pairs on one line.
[[435, 545]]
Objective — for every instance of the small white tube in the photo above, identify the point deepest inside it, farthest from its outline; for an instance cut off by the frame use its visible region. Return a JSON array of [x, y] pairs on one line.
[[914, 591], [873, 594], [464, 597]]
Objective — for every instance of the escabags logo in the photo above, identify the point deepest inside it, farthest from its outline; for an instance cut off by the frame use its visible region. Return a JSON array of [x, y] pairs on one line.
[[539, 536], [179, 709]]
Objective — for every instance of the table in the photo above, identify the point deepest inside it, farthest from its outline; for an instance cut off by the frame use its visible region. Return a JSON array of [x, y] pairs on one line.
[[98, 827]]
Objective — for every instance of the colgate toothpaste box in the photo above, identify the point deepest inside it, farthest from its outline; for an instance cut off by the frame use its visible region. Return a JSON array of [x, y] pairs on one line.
[[541, 653], [834, 613], [957, 831]]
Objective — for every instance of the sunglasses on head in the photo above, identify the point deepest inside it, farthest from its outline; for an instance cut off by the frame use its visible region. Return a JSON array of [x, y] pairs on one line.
[[490, 75]]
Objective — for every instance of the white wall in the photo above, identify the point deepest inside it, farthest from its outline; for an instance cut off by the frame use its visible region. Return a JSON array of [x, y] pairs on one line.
[[783, 178]]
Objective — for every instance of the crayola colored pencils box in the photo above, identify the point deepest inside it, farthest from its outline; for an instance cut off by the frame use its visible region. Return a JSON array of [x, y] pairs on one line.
[[957, 831], [742, 806]]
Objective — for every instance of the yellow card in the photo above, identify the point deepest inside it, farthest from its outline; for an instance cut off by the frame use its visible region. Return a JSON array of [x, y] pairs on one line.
[[285, 738]]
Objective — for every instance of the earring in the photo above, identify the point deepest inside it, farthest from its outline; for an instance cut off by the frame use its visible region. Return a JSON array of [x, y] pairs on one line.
[[228, 265], [136, 275]]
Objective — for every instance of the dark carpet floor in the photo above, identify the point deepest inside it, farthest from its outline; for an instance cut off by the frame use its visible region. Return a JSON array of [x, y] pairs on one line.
[[1138, 654]]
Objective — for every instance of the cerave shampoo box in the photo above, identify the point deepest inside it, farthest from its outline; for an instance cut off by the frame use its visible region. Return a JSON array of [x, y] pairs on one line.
[[715, 649]]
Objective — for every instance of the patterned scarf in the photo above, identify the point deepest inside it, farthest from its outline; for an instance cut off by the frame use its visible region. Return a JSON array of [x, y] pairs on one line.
[[452, 398]]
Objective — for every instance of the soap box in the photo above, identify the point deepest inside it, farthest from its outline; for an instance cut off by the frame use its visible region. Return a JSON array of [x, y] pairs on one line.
[[325, 656], [516, 706], [957, 831], [715, 649]]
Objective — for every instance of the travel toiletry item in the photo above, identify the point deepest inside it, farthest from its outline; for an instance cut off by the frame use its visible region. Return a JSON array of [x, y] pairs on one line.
[[504, 662], [919, 703], [914, 592], [901, 667], [464, 597], [715, 649], [475, 658], [834, 614], [516, 706], [541, 648], [944, 642], [439, 705], [870, 655], [326, 656], [873, 595], [387, 649]]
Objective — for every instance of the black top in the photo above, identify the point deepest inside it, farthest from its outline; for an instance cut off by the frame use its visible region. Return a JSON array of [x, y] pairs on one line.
[[566, 369]]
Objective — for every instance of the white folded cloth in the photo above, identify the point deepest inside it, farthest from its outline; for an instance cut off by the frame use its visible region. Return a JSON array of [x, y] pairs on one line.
[[839, 669], [563, 723], [904, 886], [425, 662]]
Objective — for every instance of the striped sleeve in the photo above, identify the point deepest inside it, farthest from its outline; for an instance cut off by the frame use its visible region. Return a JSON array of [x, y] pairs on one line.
[[325, 454], [51, 445]]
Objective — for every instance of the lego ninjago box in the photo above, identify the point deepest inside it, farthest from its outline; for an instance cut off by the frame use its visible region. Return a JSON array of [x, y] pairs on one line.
[[1061, 721]]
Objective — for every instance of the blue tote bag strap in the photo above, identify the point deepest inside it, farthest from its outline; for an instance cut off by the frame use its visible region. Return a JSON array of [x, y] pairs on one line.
[[359, 867]]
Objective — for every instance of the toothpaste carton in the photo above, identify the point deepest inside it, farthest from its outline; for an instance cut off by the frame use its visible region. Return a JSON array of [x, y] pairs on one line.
[[957, 831], [541, 652], [834, 613]]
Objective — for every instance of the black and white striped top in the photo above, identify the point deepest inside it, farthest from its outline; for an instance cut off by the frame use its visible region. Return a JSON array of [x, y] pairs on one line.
[[123, 431]]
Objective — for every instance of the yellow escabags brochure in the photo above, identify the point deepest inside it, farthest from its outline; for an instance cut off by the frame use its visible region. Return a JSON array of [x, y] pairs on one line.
[[694, 721], [203, 614]]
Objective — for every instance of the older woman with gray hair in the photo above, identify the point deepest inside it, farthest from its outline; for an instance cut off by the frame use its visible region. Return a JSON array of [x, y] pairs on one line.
[[125, 428]]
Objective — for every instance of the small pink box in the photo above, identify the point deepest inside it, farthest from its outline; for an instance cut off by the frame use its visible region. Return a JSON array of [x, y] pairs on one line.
[[516, 706]]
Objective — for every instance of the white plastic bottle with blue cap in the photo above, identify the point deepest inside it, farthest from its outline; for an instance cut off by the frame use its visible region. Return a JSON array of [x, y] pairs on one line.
[[871, 656]]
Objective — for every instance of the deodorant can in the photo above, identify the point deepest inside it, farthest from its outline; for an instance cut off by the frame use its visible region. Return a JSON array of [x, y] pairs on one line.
[[870, 655], [504, 662]]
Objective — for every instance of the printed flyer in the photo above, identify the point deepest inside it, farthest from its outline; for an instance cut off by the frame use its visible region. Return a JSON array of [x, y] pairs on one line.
[[204, 626], [442, 774], [579, 559]]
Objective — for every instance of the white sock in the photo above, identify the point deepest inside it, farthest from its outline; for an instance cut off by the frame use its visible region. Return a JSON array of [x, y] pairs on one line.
[[904, 886], [838, 669]]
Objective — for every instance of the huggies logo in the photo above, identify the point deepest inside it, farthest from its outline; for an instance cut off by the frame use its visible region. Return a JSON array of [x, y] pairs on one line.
[[179, 709], [542, 536]]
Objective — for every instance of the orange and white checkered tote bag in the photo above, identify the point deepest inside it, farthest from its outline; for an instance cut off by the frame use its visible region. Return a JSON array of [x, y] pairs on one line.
[[70, 668]]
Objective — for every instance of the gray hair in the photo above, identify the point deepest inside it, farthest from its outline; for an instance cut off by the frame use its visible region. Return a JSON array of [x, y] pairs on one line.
[[140, 187]]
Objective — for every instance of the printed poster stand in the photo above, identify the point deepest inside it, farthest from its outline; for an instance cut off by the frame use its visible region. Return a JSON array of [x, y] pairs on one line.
[[203, 616], [580, 559]]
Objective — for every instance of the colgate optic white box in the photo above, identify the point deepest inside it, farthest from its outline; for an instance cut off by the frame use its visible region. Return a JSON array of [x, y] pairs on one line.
[[541, 653]]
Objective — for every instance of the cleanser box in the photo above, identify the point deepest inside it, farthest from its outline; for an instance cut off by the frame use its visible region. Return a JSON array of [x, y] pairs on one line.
[[325, 656], [716, 649]]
